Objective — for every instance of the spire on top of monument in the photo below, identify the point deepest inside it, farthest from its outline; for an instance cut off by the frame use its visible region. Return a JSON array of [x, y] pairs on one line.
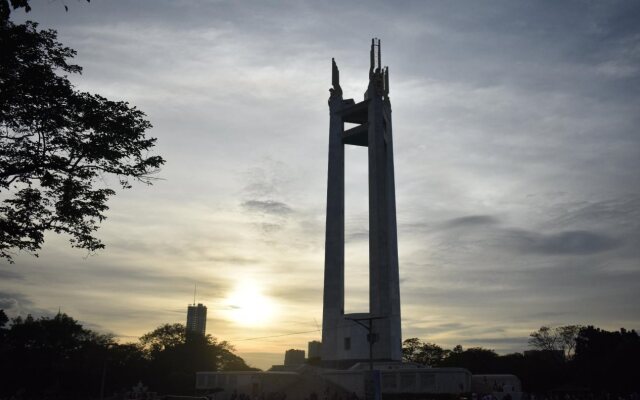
[[335, 79], [376, 58], [378, 75], [386, 82]]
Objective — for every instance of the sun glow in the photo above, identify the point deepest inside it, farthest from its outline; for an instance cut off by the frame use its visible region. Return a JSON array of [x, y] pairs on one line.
[[247, 305]]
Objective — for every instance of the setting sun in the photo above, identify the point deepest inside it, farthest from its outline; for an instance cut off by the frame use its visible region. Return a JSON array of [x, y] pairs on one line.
[[248, 306]]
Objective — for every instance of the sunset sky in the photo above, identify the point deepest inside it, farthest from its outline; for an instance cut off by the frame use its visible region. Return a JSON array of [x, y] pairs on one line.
[[517, 160]]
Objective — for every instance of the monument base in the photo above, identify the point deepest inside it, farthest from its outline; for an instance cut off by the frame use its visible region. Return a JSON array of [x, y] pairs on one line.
[[350, 364], [395, 379]]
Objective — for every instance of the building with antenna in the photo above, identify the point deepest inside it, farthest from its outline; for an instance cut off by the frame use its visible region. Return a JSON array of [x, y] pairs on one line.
[[197, 319]]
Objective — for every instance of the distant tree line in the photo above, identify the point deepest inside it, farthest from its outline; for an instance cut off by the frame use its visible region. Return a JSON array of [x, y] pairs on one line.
[[569, 358], [57, 358]]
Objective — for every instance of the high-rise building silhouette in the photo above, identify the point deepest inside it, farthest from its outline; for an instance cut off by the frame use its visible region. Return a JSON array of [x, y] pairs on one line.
[[315, 349], [197, 319], [293, 357]]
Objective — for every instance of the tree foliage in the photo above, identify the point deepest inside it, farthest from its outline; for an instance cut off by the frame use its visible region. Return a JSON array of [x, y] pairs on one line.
[[3, 319], [177, 355], [163, 337], [71, 361], [415, 350], [608, 360], [560, 339], [58, 145], [173, 339], [476, 359], [51, 356], [7, 5], [599, 360]]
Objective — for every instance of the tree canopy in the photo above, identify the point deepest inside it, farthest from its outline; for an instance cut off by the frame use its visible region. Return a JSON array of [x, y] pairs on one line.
[[3, 319], [559, 339], [599, 360], [163, 337], [176, 355], [415, 350], [57, 144], [608, 359], [64, 356], [71, 361]]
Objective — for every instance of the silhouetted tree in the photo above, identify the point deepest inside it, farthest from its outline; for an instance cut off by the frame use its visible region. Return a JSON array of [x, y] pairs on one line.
[[410, 347], [602, 361], [123, 365], [608, 360], [7, 5], [543, 339], [478, 360], [57, 144], [54, 357], [175, 357], [3, 319], [560, 339], [57, 358], [163, 337], [415, 350], [568, 335]]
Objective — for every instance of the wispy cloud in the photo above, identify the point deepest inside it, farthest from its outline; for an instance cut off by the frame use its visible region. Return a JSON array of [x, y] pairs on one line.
[[267, 207]]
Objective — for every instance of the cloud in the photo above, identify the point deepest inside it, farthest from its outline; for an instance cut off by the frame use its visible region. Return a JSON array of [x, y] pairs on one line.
[[472, 221], [18, 304], [446, 327], [4, 274], [300, 292], [11, 300], [569, 242], [620, 214], [356, 236], [267, 207], [485, 232], [8, 303], [518, 340]]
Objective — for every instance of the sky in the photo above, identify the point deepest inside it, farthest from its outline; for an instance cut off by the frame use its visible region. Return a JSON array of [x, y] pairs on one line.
[[517, 159]]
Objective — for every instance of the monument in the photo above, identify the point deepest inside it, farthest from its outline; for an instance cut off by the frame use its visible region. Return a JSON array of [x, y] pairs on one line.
[[376, 335], [361, 354]]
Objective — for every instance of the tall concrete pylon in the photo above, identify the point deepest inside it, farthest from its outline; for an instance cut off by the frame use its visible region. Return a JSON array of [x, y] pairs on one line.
[[345, 337]]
